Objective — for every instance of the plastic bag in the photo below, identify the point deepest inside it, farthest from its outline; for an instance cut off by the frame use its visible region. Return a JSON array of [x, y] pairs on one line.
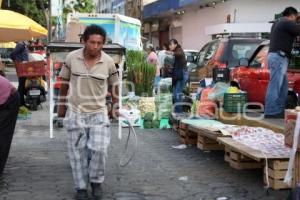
[[218, 91]]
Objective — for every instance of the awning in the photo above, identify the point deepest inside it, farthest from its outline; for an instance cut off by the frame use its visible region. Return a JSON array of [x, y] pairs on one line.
[[160, 7]]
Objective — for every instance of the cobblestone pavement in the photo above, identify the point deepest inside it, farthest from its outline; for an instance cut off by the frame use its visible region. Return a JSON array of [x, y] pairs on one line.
[[38, 169]]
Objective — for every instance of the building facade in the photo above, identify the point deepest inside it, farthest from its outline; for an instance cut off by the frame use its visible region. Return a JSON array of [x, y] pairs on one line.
[[103, 6], [118, 6], [194, 22]]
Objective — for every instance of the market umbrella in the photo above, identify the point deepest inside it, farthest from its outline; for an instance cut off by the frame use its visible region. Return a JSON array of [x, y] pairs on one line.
[[17, 27]]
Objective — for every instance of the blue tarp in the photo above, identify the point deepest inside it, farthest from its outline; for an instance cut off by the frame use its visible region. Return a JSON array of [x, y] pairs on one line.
[[186, 2], [159, 7], [162, 6]]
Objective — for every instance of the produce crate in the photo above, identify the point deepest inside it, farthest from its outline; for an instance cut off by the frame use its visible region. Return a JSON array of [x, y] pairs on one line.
[[207, 144], [175, 127], [239, 161], [234, 103], [276, 173], [187, 137], [30, 69]]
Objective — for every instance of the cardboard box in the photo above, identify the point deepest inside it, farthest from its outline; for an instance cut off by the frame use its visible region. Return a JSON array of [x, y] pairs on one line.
[[289, 127]]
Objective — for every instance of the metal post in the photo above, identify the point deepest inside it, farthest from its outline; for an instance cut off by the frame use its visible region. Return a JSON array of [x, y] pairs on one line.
[[49, 23]]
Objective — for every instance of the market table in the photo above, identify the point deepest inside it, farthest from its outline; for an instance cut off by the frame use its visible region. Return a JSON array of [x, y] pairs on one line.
[[201, 132], [240, 156]]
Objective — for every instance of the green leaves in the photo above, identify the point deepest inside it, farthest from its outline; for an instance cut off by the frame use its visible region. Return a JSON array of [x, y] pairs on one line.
[[82, 6], [140, 73]]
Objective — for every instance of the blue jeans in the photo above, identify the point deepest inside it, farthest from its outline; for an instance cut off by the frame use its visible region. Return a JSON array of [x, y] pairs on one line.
[[178, 93], [278, 86]]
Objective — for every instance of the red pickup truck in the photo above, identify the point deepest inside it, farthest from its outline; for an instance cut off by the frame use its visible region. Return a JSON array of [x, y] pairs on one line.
[[253, 76]]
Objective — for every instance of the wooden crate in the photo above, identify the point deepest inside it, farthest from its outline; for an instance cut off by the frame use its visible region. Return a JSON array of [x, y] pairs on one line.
[[276, 173], [175, 127], [239, 161], [207, 144], [183, 126], [187, 137]]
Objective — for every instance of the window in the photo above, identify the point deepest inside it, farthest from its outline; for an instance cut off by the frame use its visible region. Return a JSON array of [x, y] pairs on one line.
[[212, 50], [191, 56], [202, 55], [238, 51], [261, 58]]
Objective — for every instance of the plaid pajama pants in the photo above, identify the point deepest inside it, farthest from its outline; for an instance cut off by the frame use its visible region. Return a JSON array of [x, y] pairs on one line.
[[88, 140]]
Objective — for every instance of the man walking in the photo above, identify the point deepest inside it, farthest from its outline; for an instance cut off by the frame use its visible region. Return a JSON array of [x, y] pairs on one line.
[[283, 33], [9, 108], [87, 73]]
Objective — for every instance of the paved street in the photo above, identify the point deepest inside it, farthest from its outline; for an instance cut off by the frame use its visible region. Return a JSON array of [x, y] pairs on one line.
[[38, 168]]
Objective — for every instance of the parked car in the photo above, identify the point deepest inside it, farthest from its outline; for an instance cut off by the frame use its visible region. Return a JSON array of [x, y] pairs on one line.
[[221, 53], [253, 76], [5, 55], [190, 55]]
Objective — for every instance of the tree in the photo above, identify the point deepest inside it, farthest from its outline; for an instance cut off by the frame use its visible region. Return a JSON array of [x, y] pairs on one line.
[[81, 6], [34, 9]]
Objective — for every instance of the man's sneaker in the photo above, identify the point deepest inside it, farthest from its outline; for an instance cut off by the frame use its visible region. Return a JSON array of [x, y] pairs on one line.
[[81, 195], [96, 191]]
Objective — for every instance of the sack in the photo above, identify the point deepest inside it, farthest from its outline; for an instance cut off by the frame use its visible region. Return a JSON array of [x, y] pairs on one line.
[[206, 107]]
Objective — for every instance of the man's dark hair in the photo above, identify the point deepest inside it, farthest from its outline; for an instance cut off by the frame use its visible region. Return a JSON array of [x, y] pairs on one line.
[[93, 30], [289, 11]]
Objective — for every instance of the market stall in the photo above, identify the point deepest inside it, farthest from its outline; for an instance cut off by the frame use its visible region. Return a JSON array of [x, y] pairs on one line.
[[203, 132]]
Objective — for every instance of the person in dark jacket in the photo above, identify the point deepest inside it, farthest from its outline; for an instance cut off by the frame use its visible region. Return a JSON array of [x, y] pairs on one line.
[[20, 54], [283, 33], [9, 107], [179, 76]]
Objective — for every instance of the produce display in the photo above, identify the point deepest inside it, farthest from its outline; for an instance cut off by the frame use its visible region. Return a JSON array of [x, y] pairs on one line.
[[262, 139], [148, 120], [146, 105], [164, 105], [165, 85], [140, 73]]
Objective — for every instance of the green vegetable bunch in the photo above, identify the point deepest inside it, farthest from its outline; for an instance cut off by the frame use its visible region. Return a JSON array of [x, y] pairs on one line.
[[140, 73]]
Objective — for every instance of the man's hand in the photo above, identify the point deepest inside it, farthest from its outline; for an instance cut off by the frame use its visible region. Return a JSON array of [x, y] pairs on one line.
[[62, 109], [61, 112], [115, 111]]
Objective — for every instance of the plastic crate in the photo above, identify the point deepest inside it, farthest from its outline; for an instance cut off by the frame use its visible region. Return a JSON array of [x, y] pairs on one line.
[[29, 69], [234, 103]]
